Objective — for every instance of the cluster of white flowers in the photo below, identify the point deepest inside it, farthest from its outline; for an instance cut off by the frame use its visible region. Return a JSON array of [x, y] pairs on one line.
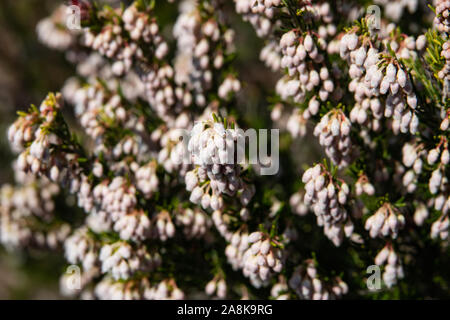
[[129, 174], [393, 269], [441, 153], [387, 221], [363, 185], [165, 227], [112, 205], [81, 248], [296, 124], [412, 158], [363, 104], [95, 107], [421, 213], [202, 45], [162, 95], [32, 136], [262, 258], [229, 86], [195, 222], [93, 66], [333, 131], [414, 155], [276, 54], [172, 152], [302, 55], [128, 54], [122, 261], [444, 74], [438, 181], [441, 203], [304, 58], [259, 6], [375, 75], [110, 289], [22, 207], [306, 71], [51, 33], [117, 197], [213, 149], [307, 285], [235, 249], [111, 43], [129, 145], [328, 197], [146, 179], [26, 130], [440, 228], [258, 255], [99, 221], [297, 205], [165, 290], [271, 55], [442, 18], [136, 226], [216, 287], [259, 16], [394, 9]]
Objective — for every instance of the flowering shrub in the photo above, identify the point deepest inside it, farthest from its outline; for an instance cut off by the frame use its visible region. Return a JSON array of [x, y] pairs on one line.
[[374, 94]]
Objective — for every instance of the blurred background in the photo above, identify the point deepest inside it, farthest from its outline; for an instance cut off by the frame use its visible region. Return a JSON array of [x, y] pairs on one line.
[[28, 70]]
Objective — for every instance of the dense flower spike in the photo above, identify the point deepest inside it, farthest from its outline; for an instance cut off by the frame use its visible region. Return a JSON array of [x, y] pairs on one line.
[[328, 198]]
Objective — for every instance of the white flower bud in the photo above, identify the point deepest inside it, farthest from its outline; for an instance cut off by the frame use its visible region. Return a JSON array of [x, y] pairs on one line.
[[432, 156]]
